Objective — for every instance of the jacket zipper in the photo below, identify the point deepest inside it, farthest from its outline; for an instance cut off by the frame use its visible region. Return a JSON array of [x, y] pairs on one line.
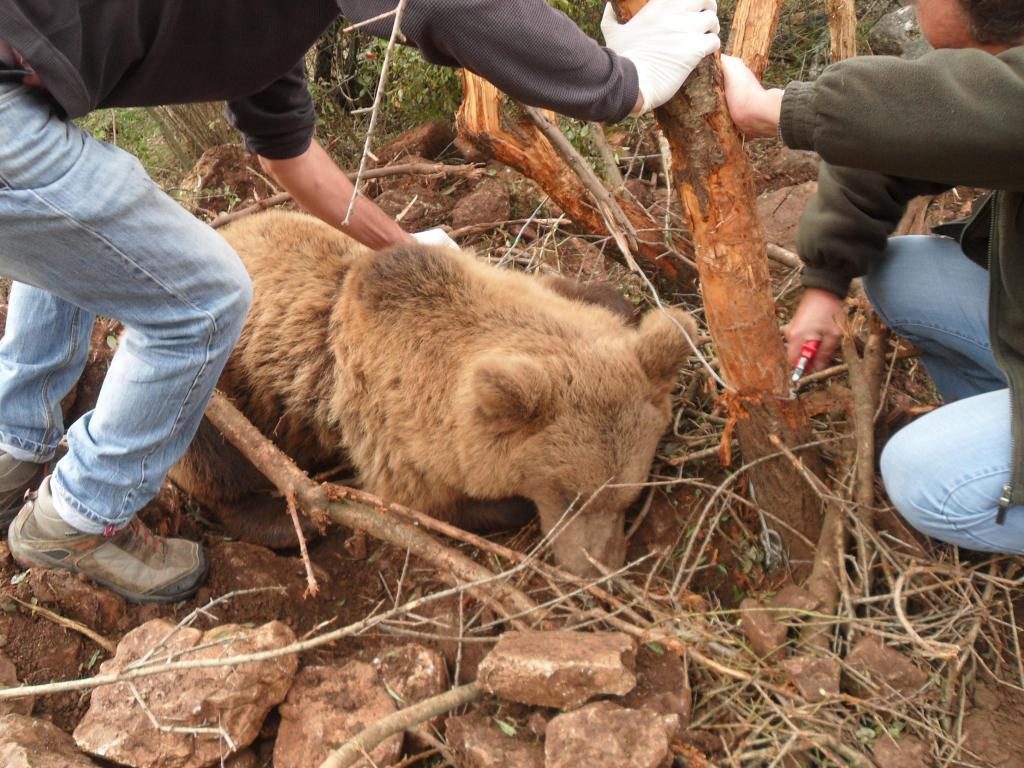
[[1007, 494]]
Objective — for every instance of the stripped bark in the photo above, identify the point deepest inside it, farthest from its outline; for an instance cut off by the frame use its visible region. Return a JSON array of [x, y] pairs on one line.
[[715, 184], [495, 126], [842, 25], [753, 27]]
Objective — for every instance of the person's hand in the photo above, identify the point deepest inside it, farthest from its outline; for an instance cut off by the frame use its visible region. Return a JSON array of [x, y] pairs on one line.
[[816, 317], [665, 40], [435, 236], [754, 109]]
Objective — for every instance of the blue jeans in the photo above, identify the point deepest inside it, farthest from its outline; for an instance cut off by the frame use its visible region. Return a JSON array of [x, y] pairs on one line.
[[85, 232], [944, 472]]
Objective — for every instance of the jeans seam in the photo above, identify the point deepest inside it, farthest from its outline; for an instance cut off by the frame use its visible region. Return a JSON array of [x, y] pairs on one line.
[[952, 520], [210, 336]]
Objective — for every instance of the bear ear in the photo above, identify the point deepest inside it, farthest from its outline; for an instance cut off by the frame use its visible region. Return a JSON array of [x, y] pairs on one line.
[[511, 393], [662, 346]]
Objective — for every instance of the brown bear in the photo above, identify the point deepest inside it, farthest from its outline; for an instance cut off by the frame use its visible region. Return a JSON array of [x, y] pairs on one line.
[[472, 393]]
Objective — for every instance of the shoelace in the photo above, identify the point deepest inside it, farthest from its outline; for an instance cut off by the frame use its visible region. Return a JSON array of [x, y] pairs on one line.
[[137, 532]]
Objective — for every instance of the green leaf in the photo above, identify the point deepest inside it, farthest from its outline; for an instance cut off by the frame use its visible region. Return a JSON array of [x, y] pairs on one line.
[[506, 727], [658, 648]]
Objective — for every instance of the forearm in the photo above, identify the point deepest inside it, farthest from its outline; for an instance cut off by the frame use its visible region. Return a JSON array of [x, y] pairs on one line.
[[323, 189]]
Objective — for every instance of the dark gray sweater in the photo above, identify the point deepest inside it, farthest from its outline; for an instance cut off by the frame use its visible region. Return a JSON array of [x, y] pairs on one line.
[[104, 53]]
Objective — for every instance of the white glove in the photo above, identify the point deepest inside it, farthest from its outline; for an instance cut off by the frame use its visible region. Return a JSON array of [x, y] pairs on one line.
[[435, 236], [665, 40]]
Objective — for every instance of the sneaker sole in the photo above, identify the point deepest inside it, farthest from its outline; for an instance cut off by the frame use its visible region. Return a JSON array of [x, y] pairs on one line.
[[41, 561]]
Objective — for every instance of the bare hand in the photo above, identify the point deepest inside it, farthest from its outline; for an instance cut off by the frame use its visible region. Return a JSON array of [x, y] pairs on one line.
[[815, 318], [754, 109]]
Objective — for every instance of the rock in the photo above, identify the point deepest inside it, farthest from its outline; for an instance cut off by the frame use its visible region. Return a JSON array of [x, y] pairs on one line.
[[427, 141], [816, 678], [447, 618], [325, 708], [604, 735], [236, 699], [9, 679], [414, 207], [991, 730], [78, 599], [28, 743], [414, 673], [487, 203], [477, 741], [793, 600], [765, 634], [903, 752], [562, 669], [898, 34], [780, 212], [878, 670], [662, 686]]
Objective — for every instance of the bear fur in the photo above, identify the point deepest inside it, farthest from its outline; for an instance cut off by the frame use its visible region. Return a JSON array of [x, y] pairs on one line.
[[475, 394]]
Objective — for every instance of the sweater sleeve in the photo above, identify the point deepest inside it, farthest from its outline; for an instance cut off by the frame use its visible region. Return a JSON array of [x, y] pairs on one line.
[[847, 222], [278, 121], [890, 130], [951, 116], [528, 49]]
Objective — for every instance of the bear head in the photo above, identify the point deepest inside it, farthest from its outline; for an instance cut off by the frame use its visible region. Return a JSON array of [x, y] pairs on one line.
[[574, 431]]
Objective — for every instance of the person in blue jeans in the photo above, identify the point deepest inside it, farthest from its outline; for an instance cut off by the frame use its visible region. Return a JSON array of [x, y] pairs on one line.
[[889, 130], [84, 232]]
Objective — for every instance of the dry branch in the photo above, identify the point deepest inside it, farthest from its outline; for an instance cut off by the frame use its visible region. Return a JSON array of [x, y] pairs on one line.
[[378, 522], [422, 169], [365, 741], [753, 29], [486, 119]]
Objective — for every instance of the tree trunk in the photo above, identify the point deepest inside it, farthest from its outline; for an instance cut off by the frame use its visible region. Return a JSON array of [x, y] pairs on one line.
[[842, 25], [753, 27], [500, 129], [716, 187]]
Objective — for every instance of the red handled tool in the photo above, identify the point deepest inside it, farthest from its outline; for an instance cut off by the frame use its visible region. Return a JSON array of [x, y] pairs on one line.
[[807, 353]]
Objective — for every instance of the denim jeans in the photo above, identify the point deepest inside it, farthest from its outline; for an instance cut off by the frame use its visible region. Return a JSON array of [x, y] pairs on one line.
[[944, 472], [85, 232]]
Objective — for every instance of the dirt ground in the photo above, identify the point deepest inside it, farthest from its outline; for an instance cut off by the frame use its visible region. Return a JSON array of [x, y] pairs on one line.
[[358, 575]]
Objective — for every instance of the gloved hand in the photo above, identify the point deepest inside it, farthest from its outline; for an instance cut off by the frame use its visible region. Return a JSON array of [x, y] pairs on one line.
[[436, 236], [665, 40]]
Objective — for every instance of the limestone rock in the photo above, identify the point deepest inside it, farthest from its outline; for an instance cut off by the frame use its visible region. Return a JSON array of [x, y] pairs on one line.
[[28, 743], [488, 203], [816, 678], [765, 634], [325, 708], [605, 735], [904, 752], [414, 673], [899, 34], [662, 686], [235, 699], [562, 669], [9, 679], [879, 670], [477, 741]]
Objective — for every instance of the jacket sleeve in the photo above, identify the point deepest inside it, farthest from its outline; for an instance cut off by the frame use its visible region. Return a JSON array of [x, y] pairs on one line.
[[528, 49], [951, 116], [847, 221], [889, 130], [278, 121]]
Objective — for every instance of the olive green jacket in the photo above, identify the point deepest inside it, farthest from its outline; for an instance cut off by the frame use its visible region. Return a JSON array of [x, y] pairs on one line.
[[890, 130]]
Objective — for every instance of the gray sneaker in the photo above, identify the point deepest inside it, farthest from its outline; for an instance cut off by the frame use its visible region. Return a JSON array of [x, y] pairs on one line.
[[16, 479], [133, 562]]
